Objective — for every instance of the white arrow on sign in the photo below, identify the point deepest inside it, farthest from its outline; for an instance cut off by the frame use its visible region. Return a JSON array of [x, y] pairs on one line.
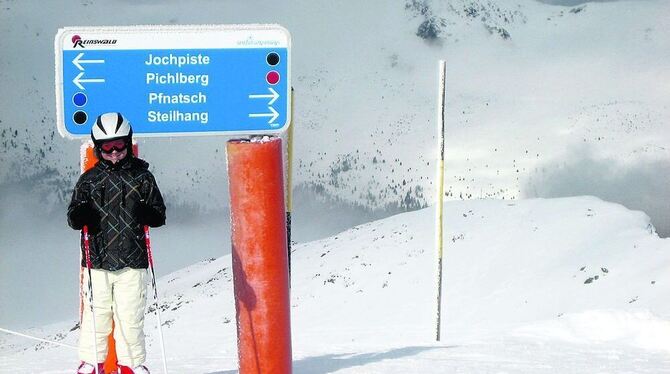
[[78, 81], [78, 61], [274, 95], [274, 114]]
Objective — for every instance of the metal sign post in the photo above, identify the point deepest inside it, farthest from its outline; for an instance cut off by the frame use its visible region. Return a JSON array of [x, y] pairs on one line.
[[260, 256]]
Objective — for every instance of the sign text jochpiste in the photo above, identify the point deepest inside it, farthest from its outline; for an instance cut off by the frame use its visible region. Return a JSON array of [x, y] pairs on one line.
[[175, 80]]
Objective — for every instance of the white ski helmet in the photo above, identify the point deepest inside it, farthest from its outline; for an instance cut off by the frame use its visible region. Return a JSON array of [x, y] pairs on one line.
[[111, 126]]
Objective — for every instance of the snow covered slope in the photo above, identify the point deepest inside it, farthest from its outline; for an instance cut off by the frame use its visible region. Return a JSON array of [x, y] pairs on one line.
[[573, 285]]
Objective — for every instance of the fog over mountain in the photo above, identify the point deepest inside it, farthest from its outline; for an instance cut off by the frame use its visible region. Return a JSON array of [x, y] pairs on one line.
[[366, 135]]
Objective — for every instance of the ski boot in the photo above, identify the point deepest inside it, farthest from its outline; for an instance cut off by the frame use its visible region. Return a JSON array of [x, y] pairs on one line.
[[138, 370], [86, 368]]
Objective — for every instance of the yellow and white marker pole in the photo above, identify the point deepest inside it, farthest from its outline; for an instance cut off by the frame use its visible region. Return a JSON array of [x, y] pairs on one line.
[[289, 184], [440, 193]]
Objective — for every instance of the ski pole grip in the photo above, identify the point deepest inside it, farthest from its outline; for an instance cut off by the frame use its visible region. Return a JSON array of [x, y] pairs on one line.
[[87, 247], [147, 241]]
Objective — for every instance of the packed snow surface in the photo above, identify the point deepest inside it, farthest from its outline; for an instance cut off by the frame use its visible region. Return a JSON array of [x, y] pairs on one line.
[[571, 285]]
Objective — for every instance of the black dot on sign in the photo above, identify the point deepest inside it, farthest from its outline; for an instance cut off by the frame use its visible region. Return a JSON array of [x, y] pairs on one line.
[[80, 117], [272, 59]]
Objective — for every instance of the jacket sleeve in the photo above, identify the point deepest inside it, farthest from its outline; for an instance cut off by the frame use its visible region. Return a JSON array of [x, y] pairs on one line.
[[81, 197], [154, 214]]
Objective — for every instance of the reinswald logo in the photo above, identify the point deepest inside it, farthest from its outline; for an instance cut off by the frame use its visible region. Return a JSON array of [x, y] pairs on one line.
[[77, 41]]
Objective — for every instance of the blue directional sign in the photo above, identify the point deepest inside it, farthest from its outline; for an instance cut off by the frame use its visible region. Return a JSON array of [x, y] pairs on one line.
[[175, 80]]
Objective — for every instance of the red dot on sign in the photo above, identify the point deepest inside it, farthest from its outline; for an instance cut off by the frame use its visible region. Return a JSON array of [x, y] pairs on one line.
[[272, 77]]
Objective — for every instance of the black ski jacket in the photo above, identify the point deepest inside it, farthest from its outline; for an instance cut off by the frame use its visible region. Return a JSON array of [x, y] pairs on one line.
[[115, 202]]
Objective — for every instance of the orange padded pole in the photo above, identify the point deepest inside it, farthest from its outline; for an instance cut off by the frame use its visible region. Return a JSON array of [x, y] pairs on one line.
[[87, 161], [260, 260]]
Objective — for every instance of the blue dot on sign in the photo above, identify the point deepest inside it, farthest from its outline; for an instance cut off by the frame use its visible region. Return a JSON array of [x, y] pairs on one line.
[[79, 99]]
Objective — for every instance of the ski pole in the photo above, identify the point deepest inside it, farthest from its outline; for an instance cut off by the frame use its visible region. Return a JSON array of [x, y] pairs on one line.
[[87, 250], [147, 240]]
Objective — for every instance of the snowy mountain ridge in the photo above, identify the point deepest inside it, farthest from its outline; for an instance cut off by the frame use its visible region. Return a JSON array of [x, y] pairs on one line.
[[365, 101], [533, 286]]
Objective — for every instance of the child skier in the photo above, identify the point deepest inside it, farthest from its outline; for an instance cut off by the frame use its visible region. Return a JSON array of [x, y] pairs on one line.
[[115, 199]]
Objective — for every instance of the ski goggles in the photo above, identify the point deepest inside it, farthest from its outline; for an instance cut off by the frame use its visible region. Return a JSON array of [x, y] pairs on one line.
[[114, 145]]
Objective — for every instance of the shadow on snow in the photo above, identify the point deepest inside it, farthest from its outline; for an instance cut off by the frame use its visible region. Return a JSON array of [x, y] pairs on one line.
[[333, 362]]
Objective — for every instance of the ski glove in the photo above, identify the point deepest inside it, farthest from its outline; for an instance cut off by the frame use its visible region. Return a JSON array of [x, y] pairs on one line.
[[147, 215], [84, 215]]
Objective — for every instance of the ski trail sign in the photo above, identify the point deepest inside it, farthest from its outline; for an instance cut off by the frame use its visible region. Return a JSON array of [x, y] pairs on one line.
[[175, 80]]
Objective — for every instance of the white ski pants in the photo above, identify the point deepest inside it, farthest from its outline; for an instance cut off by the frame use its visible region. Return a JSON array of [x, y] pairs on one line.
[[119, 295]]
